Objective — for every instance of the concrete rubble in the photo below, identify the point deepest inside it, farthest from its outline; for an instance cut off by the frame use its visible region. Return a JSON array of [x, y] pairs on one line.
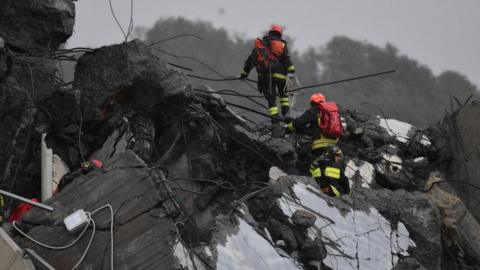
[[193, 186]]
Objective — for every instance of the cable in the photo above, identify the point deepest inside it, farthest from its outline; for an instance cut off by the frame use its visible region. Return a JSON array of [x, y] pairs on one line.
[[231, 136], [178, 66], [26, 108], [88, 245], [226, 92], [116, 20], [130, 24], [55, 247], [175, 37], [250, 110], [344, 80], [165, 52], [111, 230], [218, 80], [213, 70], [235, 93], [89, 220], [216, 182], [241, 107]]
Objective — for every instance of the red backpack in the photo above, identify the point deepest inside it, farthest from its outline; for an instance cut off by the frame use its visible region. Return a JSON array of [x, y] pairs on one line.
[[267, 52], [330, 122]]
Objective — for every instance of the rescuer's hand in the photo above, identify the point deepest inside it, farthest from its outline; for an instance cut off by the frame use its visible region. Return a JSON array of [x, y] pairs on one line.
[[288, 130], [243, 75]]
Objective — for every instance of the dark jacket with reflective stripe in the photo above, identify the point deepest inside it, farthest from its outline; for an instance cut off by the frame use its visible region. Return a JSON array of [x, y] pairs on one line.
[[285, 64], [307, 123], [341, 183]]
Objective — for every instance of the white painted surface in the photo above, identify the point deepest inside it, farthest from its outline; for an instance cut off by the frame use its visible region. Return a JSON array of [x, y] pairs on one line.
[[60, 168], [184, 257], [360, 240], [366, 171], [47, 171], [402, 131], [247, 250]]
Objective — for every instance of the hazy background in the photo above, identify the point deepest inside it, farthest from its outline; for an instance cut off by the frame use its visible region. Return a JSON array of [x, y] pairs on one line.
[[432, 44], [442, 34]]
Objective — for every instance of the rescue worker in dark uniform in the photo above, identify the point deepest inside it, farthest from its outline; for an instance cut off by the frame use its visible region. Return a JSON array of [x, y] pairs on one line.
[[272, 77], [326, 166], [329, 172]]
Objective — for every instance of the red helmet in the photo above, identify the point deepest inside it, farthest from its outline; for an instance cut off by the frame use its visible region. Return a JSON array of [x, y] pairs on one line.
[[276, 28], [317, 98]]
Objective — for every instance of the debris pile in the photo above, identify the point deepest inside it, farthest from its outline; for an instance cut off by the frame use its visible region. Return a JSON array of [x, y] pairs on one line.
[[30, 34], [193, 186]]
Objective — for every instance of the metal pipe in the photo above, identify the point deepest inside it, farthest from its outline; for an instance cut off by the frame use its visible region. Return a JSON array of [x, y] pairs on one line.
[[47, 170], [23, 199]]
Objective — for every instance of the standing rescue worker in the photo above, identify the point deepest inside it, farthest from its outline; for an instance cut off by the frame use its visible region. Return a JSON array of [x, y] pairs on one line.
[[272, 62], [323, 123]]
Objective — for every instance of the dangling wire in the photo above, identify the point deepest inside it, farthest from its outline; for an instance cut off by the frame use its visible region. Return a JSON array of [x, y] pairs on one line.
[[130, 26], [344, 80], [175, 37]]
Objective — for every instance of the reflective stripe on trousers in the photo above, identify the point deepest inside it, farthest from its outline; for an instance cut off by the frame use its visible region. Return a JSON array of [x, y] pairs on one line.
[[273, 110], [284, 102]]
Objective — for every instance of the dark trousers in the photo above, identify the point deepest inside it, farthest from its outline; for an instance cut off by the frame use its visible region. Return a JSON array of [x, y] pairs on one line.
[[271, 87]]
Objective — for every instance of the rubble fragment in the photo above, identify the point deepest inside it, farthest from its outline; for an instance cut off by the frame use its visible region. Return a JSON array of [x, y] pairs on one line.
[[43, 25], [456, 142]]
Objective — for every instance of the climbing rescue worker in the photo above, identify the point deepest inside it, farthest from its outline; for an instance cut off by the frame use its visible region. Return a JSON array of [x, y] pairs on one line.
[[323, 123], [272, 62]]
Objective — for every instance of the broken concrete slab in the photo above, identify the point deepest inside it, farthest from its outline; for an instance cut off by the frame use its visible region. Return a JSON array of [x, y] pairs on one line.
[[458, 141], [36, 27], [417, 237], [233, 247], [418, 215], [137, 245], [128, 71], [126, 184], [133, 193], [462, 229]]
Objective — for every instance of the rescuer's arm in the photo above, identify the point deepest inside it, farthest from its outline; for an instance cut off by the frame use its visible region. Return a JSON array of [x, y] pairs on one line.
[[285, 60], [301, 124], [249, 64]]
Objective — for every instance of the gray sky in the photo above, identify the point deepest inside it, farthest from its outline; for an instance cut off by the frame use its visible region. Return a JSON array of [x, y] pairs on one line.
[[441, 34]]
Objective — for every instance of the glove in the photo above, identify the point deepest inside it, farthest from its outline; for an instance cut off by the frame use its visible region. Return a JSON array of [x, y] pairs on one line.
[[243, 75], [287, 129]]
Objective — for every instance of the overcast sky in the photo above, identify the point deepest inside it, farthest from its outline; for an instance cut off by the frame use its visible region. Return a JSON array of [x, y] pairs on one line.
[[442, 34]]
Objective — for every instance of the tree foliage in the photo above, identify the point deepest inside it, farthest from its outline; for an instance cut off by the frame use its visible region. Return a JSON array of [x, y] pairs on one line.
[[412, 94]]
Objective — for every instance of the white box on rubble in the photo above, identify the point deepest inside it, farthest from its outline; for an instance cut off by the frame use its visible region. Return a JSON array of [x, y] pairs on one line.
[[75, 221]]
